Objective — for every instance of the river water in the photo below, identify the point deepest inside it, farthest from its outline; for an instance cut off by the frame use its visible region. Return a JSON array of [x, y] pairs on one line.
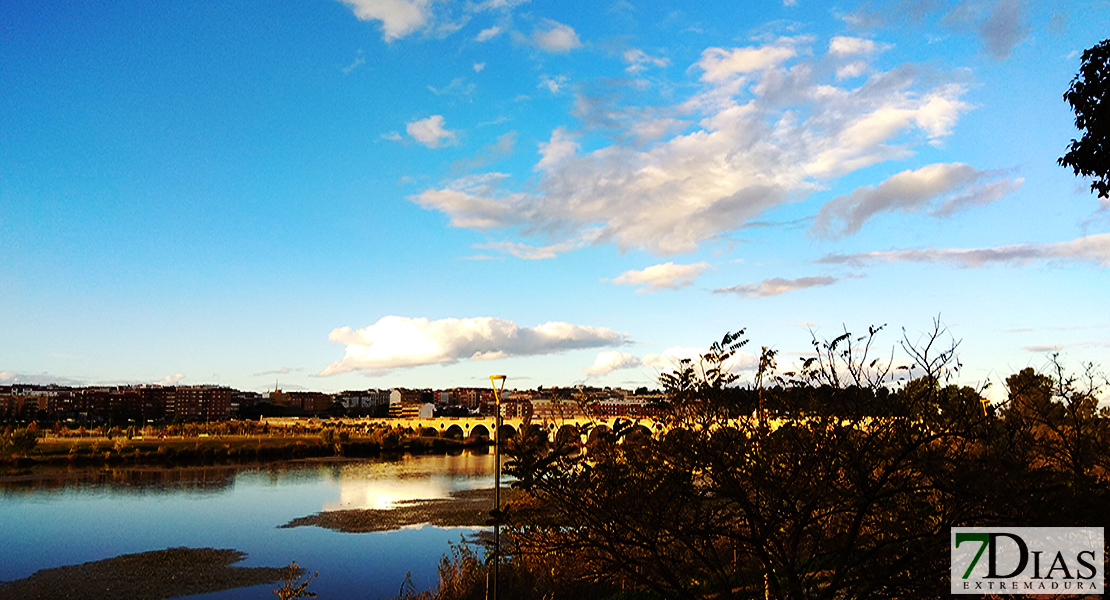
[[71, 521]]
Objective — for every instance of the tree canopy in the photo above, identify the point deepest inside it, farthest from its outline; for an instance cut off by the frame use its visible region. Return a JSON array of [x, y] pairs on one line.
[[1089, 97], [831, 481]]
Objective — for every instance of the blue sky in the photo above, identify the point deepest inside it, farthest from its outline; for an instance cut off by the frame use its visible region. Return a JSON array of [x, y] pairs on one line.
[[372, 193]]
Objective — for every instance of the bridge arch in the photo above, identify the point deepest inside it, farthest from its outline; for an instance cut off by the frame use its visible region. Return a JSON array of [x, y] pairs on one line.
[[568, 433], [599, 434], [478, 430], [637, 435]]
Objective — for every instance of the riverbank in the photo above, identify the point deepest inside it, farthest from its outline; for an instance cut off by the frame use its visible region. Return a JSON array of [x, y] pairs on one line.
[[69, 454]]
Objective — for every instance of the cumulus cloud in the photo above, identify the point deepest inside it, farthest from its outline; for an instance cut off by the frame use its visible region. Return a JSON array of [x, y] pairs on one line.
[[560, 148], [552, 84], [664, 276], [960, 186], [398, 17], [843, 45], [169, 380], [852, 69], [638, 60], [398, 342], [488, 34], [430, 132], [719, 64], [1092, 248], [553, 36], [611, 360], [775, 286], [766, 127]]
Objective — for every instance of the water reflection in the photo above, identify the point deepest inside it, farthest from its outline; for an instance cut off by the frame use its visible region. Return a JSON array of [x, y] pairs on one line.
[[381, 485], [80, 516], [132, 480]]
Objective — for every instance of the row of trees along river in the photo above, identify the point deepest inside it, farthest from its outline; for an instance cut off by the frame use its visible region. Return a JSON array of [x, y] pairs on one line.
[[833, 481]]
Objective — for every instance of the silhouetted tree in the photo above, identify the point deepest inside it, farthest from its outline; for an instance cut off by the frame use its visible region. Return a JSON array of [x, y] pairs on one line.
[[853, 501], [1089, 97]]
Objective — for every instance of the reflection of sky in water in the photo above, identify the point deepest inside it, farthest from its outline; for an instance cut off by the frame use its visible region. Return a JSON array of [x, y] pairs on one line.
[[381, 485], [71, 524]]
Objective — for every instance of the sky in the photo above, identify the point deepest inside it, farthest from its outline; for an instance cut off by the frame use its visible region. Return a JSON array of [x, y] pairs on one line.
[[349, 194]]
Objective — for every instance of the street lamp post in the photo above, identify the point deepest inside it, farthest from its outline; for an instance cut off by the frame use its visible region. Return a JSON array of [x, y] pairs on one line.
[[494, 380]]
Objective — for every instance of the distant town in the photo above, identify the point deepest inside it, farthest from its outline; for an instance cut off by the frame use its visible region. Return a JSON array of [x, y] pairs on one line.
[[142, 404]]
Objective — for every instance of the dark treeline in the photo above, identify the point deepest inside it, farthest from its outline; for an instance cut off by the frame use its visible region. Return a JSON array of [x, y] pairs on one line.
[[841, 479]]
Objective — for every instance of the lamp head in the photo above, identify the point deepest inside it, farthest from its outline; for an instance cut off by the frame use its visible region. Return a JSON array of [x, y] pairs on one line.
[[494, 380]]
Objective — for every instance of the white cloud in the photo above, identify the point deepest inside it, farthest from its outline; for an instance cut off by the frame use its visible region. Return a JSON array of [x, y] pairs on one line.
[[760, 132], [398, 17], [719, 64], [478, 67], [775, 286], [558, 149], [1092, 248], [664, 276], [638, 61], [852, 69], [392, 136], [359, 61], [398, 342], [456, 87], [488, 34], [468, 203], [669, 358], [611, 360], [527, 252], [430, 132], [552, 84], [553, 36], [843, 45], [281, 371], [962, 186], [11, 377], [497, 4], [169, 380]]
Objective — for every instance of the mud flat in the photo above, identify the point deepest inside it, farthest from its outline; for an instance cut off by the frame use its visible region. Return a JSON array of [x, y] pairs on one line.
[[463, 509], [154, 575]]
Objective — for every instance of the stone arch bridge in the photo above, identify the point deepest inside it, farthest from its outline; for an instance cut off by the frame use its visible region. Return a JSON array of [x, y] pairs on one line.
[[567, 429]]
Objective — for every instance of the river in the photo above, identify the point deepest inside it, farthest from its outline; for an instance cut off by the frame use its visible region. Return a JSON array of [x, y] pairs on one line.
[[53, 523]]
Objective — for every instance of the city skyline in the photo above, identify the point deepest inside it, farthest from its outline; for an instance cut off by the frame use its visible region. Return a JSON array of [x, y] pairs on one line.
[[353, 194]]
